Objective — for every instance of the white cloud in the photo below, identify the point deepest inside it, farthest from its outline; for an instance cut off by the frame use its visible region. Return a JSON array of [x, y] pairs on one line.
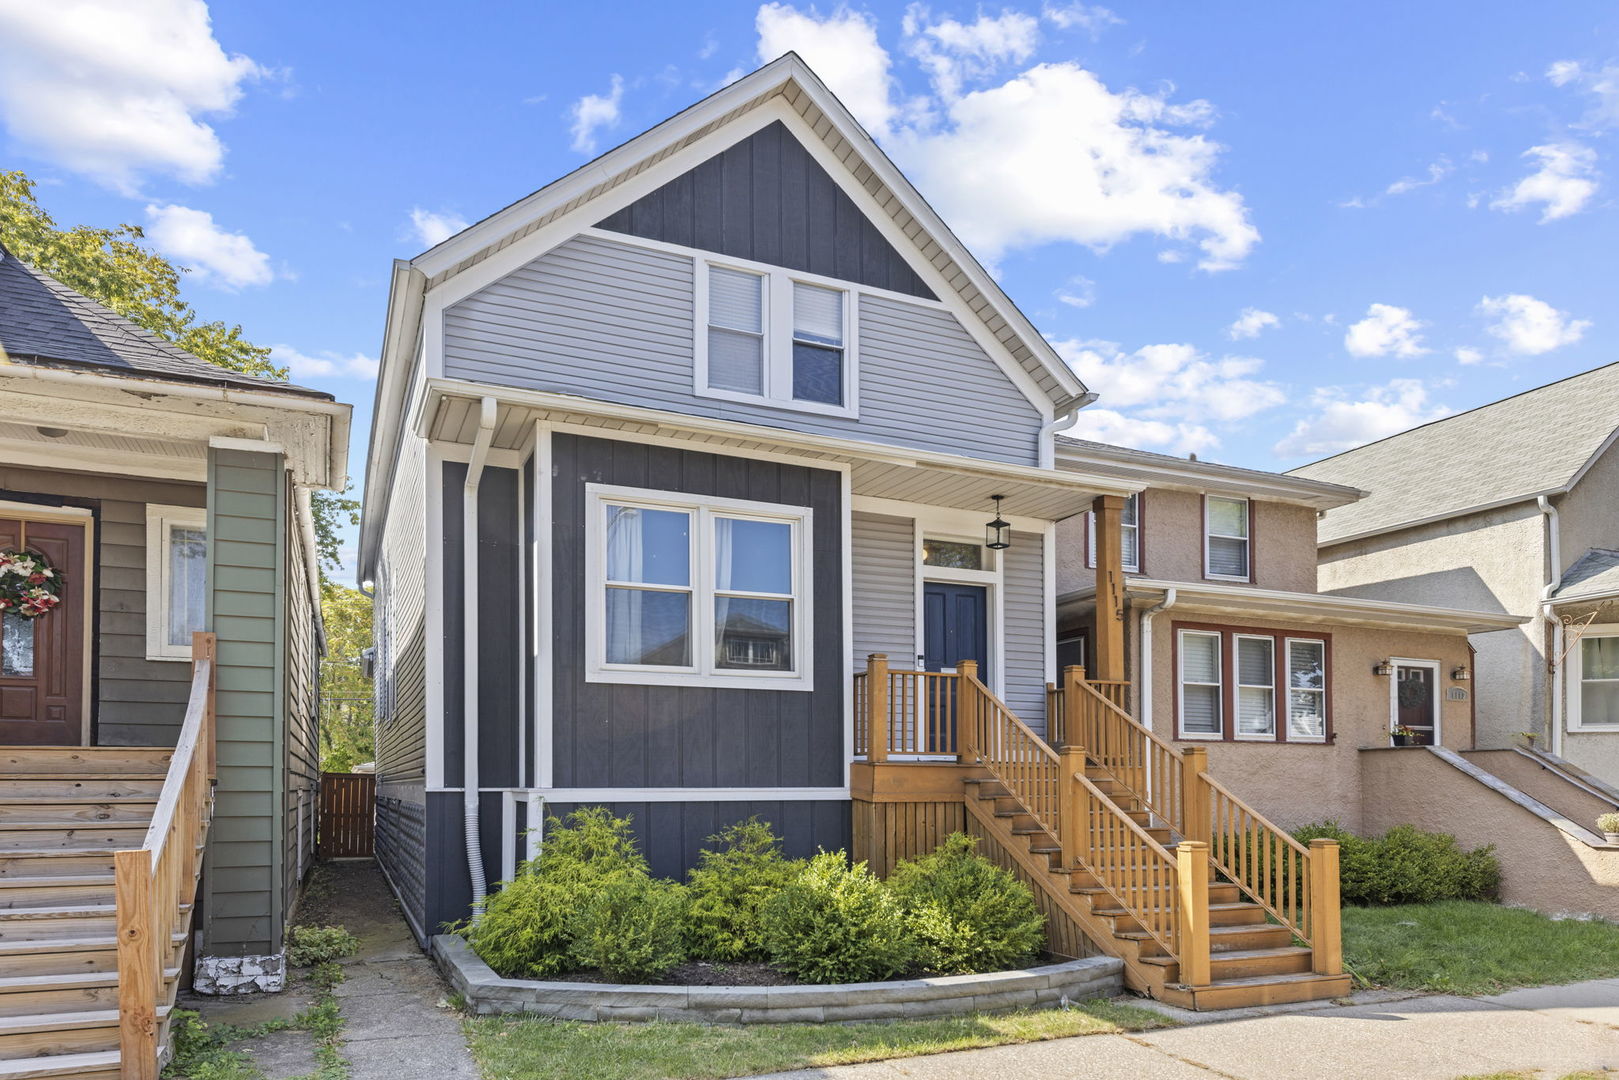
[[1436, 172], [1051, 155], [1466, 354], [432, 228], [1078, 292], [1343, 420], [1092, 18], [593, 112], [1528, 326], [1175, 383], [1251, 323], [954, 53], [1562, 185], [1601, 85], [1386, 331], [1114, 427], [301, 365], [115, 90], [217, 257]]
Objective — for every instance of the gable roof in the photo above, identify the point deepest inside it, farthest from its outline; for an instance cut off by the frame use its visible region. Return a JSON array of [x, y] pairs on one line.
[[44, 322], [1190, 474], [1539, 442], [1593, 576]]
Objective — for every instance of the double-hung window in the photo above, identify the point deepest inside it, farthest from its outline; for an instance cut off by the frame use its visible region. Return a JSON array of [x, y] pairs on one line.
[[1129, 535], [773, 337], [1306, 689], [1256, 687], [1227, 551], [176, 579], [1251, 685], [711, 592], [1202, 685], [1593, 673]]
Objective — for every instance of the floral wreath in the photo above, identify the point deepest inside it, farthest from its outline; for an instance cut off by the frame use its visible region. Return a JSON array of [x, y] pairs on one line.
[[28, 586]]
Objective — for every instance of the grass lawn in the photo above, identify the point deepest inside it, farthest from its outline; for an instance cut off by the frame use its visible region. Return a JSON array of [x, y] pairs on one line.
[[1468, 947], [539, 1049]]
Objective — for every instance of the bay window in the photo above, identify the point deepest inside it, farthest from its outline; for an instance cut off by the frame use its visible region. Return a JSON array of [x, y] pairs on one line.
[[705, 591]]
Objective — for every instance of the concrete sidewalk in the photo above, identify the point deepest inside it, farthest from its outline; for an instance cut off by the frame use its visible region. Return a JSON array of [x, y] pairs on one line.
[[1552, 1030]]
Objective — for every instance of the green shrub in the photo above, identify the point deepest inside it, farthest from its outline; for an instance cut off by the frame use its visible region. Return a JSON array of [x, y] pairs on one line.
[[729, 887], [632, 929], [311, 945], [528, 927], [837, 923], [966, 914], [1408, 866]]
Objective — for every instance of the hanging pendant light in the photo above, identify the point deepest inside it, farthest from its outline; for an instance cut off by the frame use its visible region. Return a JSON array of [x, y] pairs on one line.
[[998, 533]]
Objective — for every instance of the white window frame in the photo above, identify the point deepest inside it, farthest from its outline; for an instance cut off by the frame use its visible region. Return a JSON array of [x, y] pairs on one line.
[[159, 520], [778, 338], [1575, 679], [703, 671], [1180, 685], [1248, 540], [1130, 566], [1237, 687], [1285, 711]]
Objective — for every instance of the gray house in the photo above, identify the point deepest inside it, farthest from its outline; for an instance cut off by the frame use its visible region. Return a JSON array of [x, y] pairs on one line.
[[165, 497]]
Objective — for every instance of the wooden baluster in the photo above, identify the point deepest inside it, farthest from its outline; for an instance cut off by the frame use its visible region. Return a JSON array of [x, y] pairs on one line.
[[877, 708], [1192, 898], [1326, 930]]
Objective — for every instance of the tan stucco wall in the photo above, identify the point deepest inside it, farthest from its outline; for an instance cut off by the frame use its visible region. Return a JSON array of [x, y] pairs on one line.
[[1298, 783], [1597, 752], [1541, 867], [1283, 544], [1589, 515], [1492, 561]]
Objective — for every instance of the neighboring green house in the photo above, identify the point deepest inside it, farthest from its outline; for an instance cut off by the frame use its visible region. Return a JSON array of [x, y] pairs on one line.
[[168, 496]]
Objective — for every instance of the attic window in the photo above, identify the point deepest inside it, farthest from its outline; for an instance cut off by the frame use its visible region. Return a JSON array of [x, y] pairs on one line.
[[775, 338]]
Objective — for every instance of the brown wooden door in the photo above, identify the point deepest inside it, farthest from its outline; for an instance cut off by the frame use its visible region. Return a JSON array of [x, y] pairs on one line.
[[42, 661]]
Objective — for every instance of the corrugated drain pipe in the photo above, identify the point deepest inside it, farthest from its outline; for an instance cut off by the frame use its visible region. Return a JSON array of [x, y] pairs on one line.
[[469, 646]]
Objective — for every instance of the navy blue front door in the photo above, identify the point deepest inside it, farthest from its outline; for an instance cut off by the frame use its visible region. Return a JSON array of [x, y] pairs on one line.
[[955, 621]]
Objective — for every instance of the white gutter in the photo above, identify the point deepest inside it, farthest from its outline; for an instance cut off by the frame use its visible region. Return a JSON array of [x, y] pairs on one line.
[[469, 649], [1554, 558], [1144, 669]]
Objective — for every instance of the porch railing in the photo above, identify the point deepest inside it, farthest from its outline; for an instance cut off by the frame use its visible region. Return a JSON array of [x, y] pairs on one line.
[[911, 713], [156, 884]]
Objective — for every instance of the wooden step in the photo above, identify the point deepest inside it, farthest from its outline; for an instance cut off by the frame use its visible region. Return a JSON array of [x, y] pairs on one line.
[[42, 835], [22, 995], [1239, 914], [74, 809], [76, 921], [102, 1065], [1265, 990], [1221, 893], [41, 862], [42, 1034], [56, 888], [1246, 963], [1224, 938], [77, 785], [67, 956], [94, 760]]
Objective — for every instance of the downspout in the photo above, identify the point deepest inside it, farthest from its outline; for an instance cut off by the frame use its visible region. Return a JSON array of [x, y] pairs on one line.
[[1553, 575], [469, 649], [1145, 667], [1061, 422]]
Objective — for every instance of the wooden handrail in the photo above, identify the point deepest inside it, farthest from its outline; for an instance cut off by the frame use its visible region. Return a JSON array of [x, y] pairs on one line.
[[1265, 862], [1139, 873], [153, 882], [1149, 767]]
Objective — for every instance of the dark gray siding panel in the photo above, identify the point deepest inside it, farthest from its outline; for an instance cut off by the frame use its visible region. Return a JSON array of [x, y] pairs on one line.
[[671, 834], [448, 891], [498, 644], [767, 199], [614, 735], [402, 854]]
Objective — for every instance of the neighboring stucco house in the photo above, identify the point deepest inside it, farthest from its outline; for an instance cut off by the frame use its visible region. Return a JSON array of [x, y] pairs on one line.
[[1512, 507], [1230, 646], [166, 496]]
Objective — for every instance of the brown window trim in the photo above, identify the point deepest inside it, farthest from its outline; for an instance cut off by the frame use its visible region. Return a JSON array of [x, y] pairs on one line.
[[1253, 546], [1228, 680], [1141, 538]]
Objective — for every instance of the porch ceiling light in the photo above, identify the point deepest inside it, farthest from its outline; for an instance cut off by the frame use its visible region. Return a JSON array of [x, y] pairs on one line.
[[997, 534], [1383, 668]]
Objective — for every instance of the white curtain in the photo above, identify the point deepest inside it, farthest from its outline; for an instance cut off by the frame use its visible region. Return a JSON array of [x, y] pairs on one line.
[[625, 556]]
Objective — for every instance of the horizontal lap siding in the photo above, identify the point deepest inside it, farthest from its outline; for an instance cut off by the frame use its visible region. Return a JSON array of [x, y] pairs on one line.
[[884, 571], [401, 736], [303, 722], [1025, 628], [616, 321], [402, 853]]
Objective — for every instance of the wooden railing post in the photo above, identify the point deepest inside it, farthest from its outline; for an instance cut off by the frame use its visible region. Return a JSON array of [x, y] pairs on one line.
[[877, 707], [1073, 677], [1073, 815], [205, 646], [1192, 884], [1196, 794], [1326, 929], [966, 709], [138, 970]]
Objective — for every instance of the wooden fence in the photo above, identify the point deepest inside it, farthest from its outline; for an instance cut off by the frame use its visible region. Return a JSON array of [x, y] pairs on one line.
[[347, 829]]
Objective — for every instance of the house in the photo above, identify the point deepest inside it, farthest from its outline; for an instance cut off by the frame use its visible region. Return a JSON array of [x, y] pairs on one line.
[[1231, 647], [165, 497], [717, 479], [1508, 507]]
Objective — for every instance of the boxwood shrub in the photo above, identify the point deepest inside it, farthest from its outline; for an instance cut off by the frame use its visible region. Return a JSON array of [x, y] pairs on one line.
[[729, 887], [966, 914], [1408, 866], [837, 923]]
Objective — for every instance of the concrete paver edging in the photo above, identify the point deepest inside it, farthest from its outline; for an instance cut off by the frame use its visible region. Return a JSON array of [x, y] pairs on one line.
[[1047, 986]]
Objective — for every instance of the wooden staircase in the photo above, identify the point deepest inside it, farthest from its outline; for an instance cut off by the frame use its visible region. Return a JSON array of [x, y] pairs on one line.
[[100, 853], [1209, 905]]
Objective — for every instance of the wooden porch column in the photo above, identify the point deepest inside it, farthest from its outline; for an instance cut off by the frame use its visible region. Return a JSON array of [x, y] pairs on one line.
[[1107, 642]]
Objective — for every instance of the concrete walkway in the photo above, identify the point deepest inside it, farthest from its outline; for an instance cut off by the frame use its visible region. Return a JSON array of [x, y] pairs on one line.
[[1553, 1030]]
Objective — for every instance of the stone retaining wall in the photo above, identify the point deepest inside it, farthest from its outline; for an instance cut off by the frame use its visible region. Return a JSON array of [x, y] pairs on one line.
[[1040, 987]]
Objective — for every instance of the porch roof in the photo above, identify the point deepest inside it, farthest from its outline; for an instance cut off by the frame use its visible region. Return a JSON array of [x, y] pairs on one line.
[[1210, 598], [450, 414]]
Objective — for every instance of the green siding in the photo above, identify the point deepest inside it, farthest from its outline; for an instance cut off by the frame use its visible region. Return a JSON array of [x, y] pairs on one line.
[[248, 514]]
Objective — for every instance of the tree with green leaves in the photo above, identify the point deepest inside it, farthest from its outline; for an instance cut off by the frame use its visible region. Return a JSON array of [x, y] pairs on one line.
[[345, 692]]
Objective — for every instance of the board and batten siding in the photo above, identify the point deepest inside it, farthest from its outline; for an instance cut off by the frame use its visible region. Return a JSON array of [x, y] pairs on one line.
[[615, 321], [138, 702], [247, 525], [883, 565], [1024, 628], [302, 694]]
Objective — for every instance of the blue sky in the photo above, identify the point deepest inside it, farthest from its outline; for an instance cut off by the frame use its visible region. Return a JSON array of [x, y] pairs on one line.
[[1263, 232]]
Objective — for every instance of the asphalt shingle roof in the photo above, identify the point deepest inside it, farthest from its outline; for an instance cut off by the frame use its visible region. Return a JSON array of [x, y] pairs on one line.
[[1595, 574], [43, 321], [1530, 444]]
